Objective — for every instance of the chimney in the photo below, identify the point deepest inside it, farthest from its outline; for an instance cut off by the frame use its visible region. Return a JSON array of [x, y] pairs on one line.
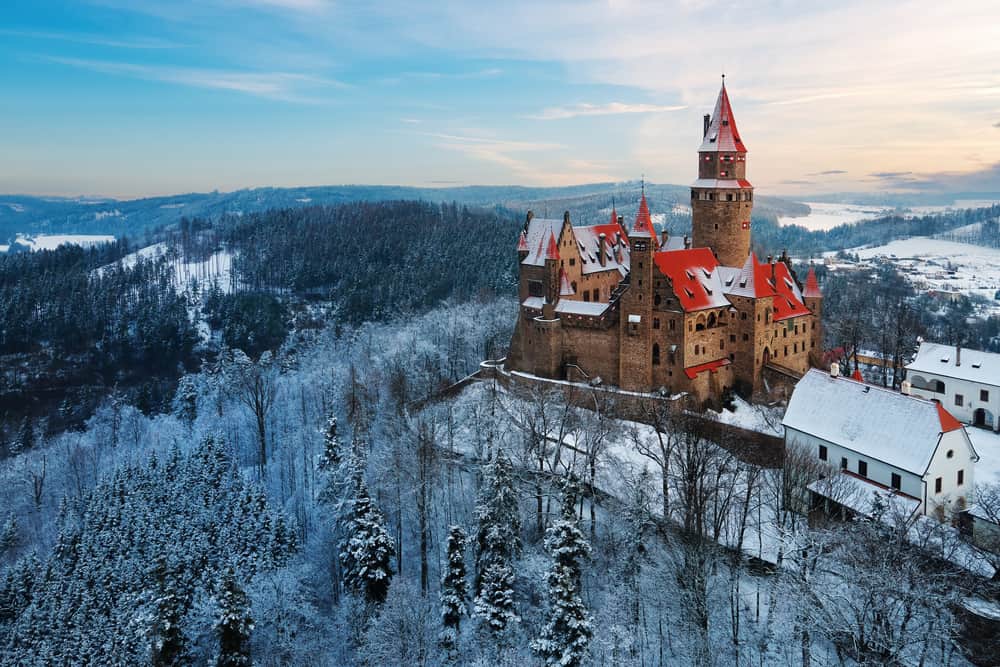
[[527, 221], [687, 242], [905, 387], [958, 354], [707, 120], [602, 244], [621, 220], [834, 369]]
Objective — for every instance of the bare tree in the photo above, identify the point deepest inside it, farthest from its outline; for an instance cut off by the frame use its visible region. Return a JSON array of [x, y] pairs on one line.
[[255, 386]]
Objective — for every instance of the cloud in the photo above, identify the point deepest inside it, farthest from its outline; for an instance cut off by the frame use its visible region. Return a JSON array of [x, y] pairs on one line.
[[996, 124], [796, 182], [892, 175], [611, 108], [476, 74], [410, 121], [95, 40], [275, 85], [828, 172]]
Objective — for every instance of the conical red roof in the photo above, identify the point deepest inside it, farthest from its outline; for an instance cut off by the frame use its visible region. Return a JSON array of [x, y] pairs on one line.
[[643, 221], [552, 251], [812, 285], [722, 133]]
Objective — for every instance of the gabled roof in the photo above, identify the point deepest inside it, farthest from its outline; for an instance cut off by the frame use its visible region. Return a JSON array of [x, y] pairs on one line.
[[879, 423], [616, 248], [977, 366], [756, 280], [812, 285], [722, 134], [643, 221], [540, 230], [694, 277]]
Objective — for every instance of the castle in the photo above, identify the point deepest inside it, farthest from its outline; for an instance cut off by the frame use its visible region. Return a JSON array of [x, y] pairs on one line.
[[625, 307]]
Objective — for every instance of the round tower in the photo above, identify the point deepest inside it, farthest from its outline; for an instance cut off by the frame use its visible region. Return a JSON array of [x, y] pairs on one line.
[[722, 197]]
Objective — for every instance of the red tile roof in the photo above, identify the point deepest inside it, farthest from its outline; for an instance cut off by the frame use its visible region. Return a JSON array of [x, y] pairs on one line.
[[722, 135], [812, 285], [643, 221], [713, 366], [692, 272], [948, 422], [552, 251]]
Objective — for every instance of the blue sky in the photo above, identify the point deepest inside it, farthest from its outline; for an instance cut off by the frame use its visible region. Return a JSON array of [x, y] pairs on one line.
[[135, 97]]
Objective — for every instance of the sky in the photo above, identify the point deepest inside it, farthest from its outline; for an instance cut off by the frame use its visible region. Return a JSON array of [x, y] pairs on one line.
[[132, 98]]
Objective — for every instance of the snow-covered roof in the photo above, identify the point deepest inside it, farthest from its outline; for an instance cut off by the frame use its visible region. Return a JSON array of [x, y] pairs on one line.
[[693, 274], [574, 307], [535, 302], [977, 366], [859, 494], [616, 249], [673, 243], [757, 280], [540, 232], [879, 423], [722, 134], [812, 285], [732, 183]]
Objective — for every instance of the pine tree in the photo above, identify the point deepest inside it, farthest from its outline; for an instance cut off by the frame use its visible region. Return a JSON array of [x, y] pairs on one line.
[[234, 624], [366, 549], [169, 644], [498, 541], [454, 589], [332, 452], [567, 633], [186, 400], [8, 535]]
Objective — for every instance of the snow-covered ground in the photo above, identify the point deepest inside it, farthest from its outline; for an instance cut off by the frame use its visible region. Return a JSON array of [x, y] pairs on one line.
[[759, 418], [53, 241], [827, 216], [217, 269], [931, 264], [987, 444]]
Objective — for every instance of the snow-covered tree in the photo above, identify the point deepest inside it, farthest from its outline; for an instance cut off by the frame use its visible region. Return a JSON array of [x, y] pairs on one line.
[[186, 400], [565, 638], [366, 550], [454, 589], [169, 644], [498, 541], [234, 625], [9, 535]]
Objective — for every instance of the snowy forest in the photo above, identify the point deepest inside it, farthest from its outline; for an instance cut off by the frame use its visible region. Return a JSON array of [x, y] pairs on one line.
[[313, 479]]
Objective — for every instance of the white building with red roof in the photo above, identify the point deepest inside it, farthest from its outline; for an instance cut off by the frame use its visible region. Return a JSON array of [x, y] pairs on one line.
[[904, 449]]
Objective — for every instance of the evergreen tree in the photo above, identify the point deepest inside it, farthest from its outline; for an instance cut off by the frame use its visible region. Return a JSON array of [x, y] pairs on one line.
[[234, 624], [454, 589], [498, 542], [169, 644], [8, 535], [568, 630], [366, 549], [186, 400]]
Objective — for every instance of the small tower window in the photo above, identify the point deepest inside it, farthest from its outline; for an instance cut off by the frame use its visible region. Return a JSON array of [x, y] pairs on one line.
[[656, 354]]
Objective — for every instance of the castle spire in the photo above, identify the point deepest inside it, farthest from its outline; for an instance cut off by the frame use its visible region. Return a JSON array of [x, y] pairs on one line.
[[812, 286], [722, 134], [643, 220], [552, 251]]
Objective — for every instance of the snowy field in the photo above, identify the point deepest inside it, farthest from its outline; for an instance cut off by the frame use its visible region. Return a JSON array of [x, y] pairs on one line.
[[217, 269], [53, 241], [943, 266], [827, 216]]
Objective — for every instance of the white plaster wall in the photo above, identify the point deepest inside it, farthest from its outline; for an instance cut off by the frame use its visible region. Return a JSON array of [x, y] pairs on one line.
[[968, 390]]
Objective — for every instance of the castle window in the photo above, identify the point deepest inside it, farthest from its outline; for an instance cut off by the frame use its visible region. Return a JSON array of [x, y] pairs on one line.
[[656, 299], [573, 284], [786, 350], [732, 338], [597, 293], [586, 296], [671, 325], [746, 337], [743, 316], [795, 348], [711, 196], [711, 320], [697, 349], [535, 288], [729, 197], [814, 325], [656, 354], [672, 358], [656, 322], [572, 261], [722, 344]]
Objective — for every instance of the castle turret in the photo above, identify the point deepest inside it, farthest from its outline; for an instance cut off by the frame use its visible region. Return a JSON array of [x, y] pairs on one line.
[[635, 368], [813, 299], [722, 198]]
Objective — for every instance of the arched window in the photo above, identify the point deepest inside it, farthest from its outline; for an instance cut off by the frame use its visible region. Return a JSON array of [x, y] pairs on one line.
[[700, 323], [711, 320], [656, 354], [656, 300]]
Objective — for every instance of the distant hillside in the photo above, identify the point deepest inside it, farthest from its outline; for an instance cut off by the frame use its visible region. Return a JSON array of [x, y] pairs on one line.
[[587, 203]]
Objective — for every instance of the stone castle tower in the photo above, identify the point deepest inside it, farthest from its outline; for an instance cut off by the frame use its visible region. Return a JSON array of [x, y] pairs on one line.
[[722, 197]]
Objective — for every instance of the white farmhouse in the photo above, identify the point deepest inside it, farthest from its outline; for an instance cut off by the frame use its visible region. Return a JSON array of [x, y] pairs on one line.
[[966, 381], [907, 449]]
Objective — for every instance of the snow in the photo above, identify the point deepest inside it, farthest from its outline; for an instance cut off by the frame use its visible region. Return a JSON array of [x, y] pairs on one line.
[[172, 205], [859, 495], [217, 269], [758, 418], [572, 307], [17, 208], [977, 366], [987, 445], [535, 302], [983, 608], [101, 215], [937, 265], [53, 241], [304, 200], [827, 216]]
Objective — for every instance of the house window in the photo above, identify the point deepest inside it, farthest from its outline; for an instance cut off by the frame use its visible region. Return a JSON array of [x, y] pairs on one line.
[[863, 468], [937, 485], [656, 354], [951, 453], [961, 477], [897, 482], [656, 322], [843, 463], [984, 395], [822, 452], [959, 399]]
